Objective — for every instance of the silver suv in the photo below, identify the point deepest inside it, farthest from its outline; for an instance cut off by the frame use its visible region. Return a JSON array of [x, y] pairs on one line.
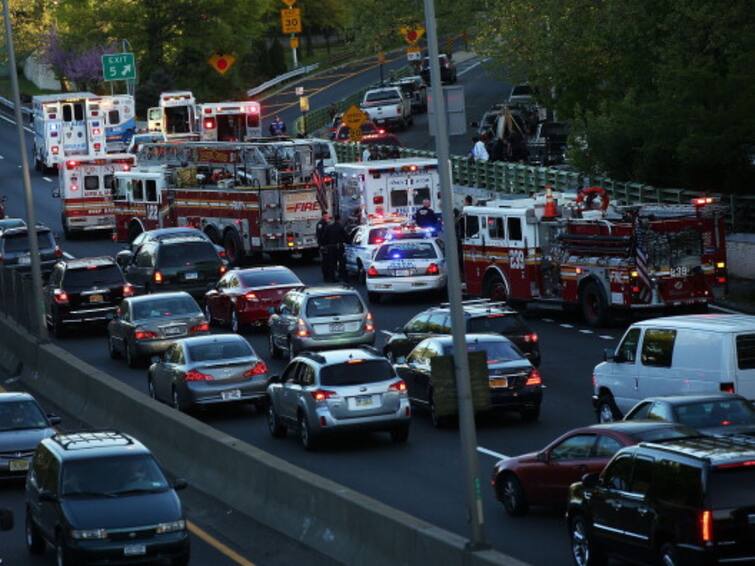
[[338, 391], [318, 318]]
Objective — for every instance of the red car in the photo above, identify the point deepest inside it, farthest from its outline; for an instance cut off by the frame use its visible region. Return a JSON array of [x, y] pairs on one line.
[[368, 128], [544, 477], [245, 296]]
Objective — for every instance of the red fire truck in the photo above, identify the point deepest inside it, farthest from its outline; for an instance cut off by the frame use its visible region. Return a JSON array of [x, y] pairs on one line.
[[249, 197], [641, 257], [85, 189]]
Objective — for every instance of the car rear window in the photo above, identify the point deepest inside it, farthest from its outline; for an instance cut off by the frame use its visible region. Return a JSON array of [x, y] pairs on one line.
[[220, 350], [334, 305], [19, 243], [406, 250], [746, 351], [382, 96], [187, 254], [356, 372], [723, 412], [269, 278], [105, 275], [497, 323], [521, 90], [497, 352], [9, 223], [732, 487], [165, 306]]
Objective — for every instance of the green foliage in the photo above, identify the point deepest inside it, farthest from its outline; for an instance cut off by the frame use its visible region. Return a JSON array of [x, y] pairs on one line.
[[661, 91]]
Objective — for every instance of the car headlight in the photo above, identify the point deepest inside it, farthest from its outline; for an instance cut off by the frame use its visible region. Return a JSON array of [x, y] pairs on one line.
[[171, 527], [89, 534]]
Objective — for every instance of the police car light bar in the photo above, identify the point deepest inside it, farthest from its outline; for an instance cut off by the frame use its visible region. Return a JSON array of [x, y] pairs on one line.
[[702, 201]]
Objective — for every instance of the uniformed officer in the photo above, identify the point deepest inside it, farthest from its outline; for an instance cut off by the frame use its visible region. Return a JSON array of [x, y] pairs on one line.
[[319, 232], [425, 216], [334, 241]]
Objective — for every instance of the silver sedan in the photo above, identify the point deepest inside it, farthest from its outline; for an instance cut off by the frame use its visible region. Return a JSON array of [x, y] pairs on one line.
[[206, 370]]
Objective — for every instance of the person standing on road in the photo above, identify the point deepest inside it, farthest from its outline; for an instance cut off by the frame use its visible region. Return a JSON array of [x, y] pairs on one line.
[[479, 152], [277, 127], [366, 153], [334, 240], [319, 232], [425, 217]]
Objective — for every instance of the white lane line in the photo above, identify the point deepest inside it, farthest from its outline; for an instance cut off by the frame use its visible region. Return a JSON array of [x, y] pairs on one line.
[[1, 157], [487, 452], [547, 320], [27, 128], [47, 179], [566, 325], [472, 66], [68, 256], [724, 309], [585, 331], [606, 337]]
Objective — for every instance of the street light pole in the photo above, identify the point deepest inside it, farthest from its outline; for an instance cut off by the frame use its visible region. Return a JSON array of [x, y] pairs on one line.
[[31, 220], [461, 362]]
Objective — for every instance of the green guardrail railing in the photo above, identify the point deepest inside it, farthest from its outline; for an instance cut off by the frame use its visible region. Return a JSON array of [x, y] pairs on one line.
[[506, 177]]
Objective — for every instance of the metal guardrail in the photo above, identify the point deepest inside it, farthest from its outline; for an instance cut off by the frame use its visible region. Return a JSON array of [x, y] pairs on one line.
[[507, 177], [282, 78], [27, 112]]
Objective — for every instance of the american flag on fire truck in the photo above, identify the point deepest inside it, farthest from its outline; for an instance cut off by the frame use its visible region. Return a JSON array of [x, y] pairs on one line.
[[641, 260]]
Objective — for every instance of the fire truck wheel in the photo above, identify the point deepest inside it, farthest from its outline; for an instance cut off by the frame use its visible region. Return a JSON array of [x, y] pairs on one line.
[[494, 288], [594, 307], [213, 234], [134, 230], [234, 248]]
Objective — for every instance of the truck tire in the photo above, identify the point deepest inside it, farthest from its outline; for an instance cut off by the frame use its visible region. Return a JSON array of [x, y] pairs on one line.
[[234, 247], [134, 230], [593, 304], [494, 288]]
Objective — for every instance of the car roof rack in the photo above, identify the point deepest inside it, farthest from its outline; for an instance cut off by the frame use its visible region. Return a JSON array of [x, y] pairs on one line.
[[91, 439], [314, 356], [371, 350]]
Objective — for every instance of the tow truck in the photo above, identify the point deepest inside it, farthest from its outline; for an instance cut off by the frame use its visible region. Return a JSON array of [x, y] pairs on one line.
[[558, 251]]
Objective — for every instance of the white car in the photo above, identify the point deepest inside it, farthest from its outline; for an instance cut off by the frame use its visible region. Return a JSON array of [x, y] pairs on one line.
[[364, 241], [407, 266]]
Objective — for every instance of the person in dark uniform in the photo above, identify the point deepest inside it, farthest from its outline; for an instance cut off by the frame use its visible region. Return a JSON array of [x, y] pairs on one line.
[[425, 217], [334, 239], [319, 230]]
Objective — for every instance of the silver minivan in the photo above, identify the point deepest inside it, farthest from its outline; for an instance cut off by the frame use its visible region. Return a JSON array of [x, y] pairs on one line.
[[677, 355]]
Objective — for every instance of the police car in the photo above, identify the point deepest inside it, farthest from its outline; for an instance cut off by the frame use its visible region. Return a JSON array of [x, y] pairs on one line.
[[407, 266]]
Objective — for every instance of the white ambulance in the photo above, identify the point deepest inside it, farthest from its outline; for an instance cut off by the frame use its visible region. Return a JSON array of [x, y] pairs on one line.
[[176, 115], [229, 121], [120, 121]]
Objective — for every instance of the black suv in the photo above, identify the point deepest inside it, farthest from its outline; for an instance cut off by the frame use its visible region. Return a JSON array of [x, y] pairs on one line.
[[684, 501], [183, 263], [14, 249], [101, 497], [82, 291], [483, 317]]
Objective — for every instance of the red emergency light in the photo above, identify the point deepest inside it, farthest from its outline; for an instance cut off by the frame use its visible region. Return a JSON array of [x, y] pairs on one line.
[[702, 201], [208, 110], [71, 164], [252, 109], [55, 149], [209, 123]]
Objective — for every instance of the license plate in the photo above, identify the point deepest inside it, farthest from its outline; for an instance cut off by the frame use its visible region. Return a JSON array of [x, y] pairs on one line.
[[499, 382], [191, 275], [24, 260], [134, 549], [363, 401], [402, 273], [173, 331], [96, 299], [18, 465], [336, 327], [230, 395]]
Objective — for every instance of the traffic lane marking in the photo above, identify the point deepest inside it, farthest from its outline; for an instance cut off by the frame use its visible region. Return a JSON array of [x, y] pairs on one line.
[[472, 66], [27, 128], [47, 179], [606, 337], [217, 545], [585, 331], [565, 325], [724, 309], [492, 453]]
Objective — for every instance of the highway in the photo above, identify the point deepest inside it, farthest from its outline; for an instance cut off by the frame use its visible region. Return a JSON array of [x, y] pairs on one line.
[[422, 477]]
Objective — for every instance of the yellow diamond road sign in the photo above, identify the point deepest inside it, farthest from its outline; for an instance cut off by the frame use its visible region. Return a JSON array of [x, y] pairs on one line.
[[354, 118]]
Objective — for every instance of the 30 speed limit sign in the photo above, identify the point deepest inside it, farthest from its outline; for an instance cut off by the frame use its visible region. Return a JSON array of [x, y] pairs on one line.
[[291, 20]]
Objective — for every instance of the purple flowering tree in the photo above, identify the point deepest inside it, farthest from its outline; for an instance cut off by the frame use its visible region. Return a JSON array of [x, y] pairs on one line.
[[82, 67]]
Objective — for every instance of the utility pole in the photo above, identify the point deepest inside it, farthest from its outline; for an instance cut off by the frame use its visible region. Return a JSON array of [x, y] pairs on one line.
[[293, 51], [31, 220], [461, 362]]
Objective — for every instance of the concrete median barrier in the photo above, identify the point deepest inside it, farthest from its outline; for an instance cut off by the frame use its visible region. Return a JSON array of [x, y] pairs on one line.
[[330, 518]]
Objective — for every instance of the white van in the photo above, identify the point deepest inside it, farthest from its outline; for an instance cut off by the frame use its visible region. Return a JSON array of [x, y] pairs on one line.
[[676, 355]]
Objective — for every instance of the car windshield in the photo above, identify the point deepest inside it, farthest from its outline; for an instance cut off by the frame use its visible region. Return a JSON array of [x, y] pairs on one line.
[[721, 412], [356, 372], [382, 96], [187, 254], [9, 223], [334, 305], [106, 275], [220, 350], [17, 415], [731, 487], [406, 250], [496, 352], [19, 243], [496, 323], [268, 278], [160, 307], [112, 477]]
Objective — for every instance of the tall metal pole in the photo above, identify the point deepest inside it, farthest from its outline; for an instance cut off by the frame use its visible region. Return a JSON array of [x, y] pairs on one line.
[[293, 51], [31, 220], [461, 362]]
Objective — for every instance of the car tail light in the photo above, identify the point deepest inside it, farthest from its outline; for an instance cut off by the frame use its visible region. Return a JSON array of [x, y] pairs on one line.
[[222, 269], [144, 335], [534, 378], [194, 375], [61, 297], [372, 272], [201, 327], [301, 328], [128, 290], [745, 464], [706, 526], [432, 269], [369, 325], [157, 277], [321, 395], [252, 297], [258, 369], [58, 252], [222, 253], [727, 388], [531, 338], [399, 386], [720, 280]]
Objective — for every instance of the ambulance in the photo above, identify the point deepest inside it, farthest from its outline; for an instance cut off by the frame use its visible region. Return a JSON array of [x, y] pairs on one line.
[[229, 121], [120, 121], [176, 116]]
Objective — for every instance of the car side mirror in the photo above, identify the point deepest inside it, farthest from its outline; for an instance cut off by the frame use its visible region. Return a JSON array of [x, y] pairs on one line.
[[590, 480], [47, 496], [6, 519], [543, 457], [609, 355], [123, 258], [180, 484], [54, 419]]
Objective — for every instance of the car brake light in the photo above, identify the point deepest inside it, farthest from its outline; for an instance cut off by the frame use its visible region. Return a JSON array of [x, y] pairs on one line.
[[61, 297], [530, 337], [157, 277], [727, 388], [222, 269], [321, 395], [399, 386], [201, 327], [720, 280], [534, 378], [432, 269], [372, 272], [745, 464], [302, 331], [58, 252], [194, 375], [222, 253], [128, 290], [258, 369], [381, 131], [368, 324], [251, 297], [706, 526], [144, 335]]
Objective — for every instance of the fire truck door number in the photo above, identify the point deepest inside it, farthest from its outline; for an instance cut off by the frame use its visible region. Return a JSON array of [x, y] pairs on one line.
[[680, 271], [151, 212], [516, 259]]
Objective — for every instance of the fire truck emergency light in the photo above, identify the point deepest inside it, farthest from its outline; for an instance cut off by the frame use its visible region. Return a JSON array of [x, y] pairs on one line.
[[209, 123], [702, 201]]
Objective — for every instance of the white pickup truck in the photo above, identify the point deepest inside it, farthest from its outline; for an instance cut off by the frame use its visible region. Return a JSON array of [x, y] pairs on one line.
[[388, 106]]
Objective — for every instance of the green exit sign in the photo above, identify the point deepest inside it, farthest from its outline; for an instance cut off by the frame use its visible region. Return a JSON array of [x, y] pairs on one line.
[[118, 67]]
